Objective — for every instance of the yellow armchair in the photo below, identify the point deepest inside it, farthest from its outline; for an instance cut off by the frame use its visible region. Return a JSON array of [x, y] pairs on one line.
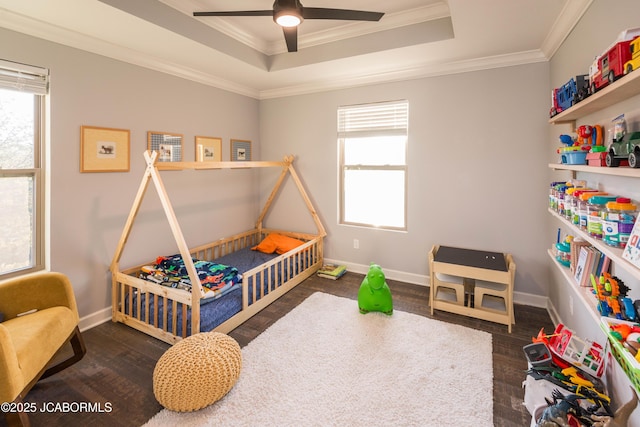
[[39, 317]]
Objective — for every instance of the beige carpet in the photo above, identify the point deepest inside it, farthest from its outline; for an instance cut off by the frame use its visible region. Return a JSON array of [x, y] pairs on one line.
[[325, 364]]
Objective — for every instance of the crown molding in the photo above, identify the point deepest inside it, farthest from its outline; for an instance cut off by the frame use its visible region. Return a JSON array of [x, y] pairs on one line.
[[561, 28], [43, 30], [410, 73], [222, 25]]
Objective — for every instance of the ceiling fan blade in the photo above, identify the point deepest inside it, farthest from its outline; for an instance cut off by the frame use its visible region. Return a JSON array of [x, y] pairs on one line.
[[291, 37], [340, 14], [236, 13]]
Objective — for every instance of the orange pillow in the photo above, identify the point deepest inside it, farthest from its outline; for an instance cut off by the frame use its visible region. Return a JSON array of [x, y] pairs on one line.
[[277, 243]]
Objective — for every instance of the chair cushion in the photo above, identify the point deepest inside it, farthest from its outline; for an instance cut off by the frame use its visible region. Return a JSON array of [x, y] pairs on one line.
[[38, 336]]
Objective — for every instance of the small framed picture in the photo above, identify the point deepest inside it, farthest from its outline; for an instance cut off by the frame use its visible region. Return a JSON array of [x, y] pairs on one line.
[[208, 149], [240, 150], [168, 145], [104, 149]]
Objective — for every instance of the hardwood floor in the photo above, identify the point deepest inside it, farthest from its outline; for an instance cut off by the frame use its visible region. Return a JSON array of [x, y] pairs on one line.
[[115, 376]]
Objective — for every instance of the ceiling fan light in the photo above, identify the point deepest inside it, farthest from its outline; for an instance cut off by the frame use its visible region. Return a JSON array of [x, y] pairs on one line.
[[288, 19]]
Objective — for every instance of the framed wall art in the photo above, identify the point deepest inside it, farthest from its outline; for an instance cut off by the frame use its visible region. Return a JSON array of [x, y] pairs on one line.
[[208, 149], [240, 150], [104, 149], [168, 145]]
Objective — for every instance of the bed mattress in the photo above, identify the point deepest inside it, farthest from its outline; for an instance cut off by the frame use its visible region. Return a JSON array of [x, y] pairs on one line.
[[214, 312]]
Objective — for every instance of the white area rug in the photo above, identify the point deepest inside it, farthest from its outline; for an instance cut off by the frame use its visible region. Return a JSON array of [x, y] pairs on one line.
[[325, 364]]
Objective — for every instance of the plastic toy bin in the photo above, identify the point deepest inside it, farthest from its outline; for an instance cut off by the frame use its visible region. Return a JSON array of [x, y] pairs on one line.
[[574, 157], [584, 354], [629, 364]]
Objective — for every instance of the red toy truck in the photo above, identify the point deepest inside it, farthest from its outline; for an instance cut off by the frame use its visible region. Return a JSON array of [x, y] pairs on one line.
[[609, 66]]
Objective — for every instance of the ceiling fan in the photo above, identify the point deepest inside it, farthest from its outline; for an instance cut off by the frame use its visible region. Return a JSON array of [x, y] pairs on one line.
[[290, 13]]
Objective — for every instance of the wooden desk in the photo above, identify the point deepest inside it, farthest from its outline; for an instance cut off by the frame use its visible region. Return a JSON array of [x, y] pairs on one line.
[[472, 266]]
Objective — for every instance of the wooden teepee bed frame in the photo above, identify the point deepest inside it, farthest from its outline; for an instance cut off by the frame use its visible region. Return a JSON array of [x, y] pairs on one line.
[[302, 261]]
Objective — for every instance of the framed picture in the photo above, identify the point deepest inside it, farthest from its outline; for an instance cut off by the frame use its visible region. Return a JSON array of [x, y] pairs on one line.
[[104, 149], [168, 145], [240, 150], [208, 149]]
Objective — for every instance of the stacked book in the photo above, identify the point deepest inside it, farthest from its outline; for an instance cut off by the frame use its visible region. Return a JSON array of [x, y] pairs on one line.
[[332, 271], [590, 261]]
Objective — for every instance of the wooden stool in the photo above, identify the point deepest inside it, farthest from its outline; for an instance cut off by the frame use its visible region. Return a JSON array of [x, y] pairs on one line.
[[458, 287], [501, 291]]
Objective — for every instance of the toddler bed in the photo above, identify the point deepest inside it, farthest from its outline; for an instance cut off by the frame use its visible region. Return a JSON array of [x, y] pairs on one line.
[[216, 286]]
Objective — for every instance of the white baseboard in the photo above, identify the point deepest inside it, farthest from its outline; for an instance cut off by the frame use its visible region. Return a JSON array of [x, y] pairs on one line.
[[416, 279], [95, 319]]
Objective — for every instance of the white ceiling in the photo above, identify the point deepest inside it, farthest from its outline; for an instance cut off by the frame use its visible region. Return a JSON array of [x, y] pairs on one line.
[[247, 55]]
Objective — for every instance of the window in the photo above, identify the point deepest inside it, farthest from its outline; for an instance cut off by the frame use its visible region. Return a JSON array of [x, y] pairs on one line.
[[372, 142], [22, 89]]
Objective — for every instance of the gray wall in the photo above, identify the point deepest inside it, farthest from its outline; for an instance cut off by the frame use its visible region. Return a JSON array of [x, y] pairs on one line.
[[476, 164], [88, 210]]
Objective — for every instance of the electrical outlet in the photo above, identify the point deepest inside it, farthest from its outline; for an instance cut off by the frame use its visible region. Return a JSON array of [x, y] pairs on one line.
[[356, 244], [571, 304]]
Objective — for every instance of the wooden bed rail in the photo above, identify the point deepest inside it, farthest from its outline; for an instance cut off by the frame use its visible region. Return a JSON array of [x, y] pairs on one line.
[[267, 281]]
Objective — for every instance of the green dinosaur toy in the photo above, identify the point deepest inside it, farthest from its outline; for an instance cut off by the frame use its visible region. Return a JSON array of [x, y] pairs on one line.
[[374, 293]]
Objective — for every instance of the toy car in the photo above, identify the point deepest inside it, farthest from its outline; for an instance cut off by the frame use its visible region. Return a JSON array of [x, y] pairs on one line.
[[634, 63], [627, 148]]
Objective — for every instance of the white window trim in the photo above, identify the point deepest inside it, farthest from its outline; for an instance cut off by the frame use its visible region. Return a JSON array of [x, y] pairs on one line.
[[355, 121]]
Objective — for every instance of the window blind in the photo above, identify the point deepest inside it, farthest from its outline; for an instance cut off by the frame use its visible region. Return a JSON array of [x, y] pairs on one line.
[[25, 78], [384, 118]]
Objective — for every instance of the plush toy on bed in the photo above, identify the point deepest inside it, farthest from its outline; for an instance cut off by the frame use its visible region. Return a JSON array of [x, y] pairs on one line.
[[374, 293]]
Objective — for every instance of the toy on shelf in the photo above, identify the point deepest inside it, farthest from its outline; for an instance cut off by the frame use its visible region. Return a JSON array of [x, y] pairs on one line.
[[610, 66], [619, 59], [611, 294], [563, 251], [570, 93], [628, 148], [597, 153], [634, 63], [374, 293], [575, 150]]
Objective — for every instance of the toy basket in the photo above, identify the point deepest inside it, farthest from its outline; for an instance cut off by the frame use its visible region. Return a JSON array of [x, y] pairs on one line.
[[583, 354], [573, 156], [629, 364]]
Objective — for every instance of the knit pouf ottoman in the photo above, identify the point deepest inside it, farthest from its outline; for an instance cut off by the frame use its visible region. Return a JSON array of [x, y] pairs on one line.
[[197, 371]]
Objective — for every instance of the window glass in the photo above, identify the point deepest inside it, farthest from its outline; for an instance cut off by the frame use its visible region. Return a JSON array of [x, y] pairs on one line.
[[383, 150], [384, 187], [16, 227], [17, 127], [21, 210]]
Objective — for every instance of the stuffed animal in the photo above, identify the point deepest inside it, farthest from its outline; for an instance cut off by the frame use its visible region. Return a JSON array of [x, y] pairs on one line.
[[374, 293]]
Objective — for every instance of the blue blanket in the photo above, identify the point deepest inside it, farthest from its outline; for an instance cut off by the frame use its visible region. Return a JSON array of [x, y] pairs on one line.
[[217, 279], [216, 311]]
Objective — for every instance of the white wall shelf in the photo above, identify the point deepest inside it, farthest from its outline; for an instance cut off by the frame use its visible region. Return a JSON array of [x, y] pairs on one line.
[[602, 170], [584, 294]]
